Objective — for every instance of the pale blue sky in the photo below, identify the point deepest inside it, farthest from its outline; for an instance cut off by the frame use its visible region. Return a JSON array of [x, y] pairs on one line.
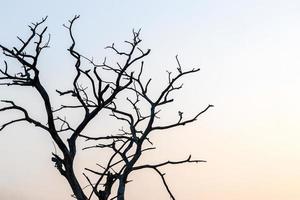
[[248, 52]]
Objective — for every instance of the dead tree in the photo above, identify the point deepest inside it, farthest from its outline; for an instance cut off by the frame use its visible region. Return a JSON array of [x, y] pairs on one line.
[[94, 93]]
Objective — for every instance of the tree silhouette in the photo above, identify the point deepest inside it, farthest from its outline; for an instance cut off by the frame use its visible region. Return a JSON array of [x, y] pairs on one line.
[[102, 87]]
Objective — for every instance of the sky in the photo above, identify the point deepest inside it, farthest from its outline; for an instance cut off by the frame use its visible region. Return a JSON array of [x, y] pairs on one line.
[[248, 52]]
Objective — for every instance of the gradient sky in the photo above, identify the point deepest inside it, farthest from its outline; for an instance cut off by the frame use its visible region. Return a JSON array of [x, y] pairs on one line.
[[248, 52]]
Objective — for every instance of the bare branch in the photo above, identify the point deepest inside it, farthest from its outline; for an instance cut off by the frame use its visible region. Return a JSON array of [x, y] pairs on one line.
[[11, 122], [165, 183], [111, 137], [182, 123], [188, 160], [27, 118]]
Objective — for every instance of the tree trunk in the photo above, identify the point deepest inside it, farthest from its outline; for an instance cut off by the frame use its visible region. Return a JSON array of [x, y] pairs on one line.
[[73, 182], [121, 189]]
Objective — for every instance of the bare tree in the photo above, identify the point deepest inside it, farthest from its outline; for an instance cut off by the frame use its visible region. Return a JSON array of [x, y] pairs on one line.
[[96, 93]]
